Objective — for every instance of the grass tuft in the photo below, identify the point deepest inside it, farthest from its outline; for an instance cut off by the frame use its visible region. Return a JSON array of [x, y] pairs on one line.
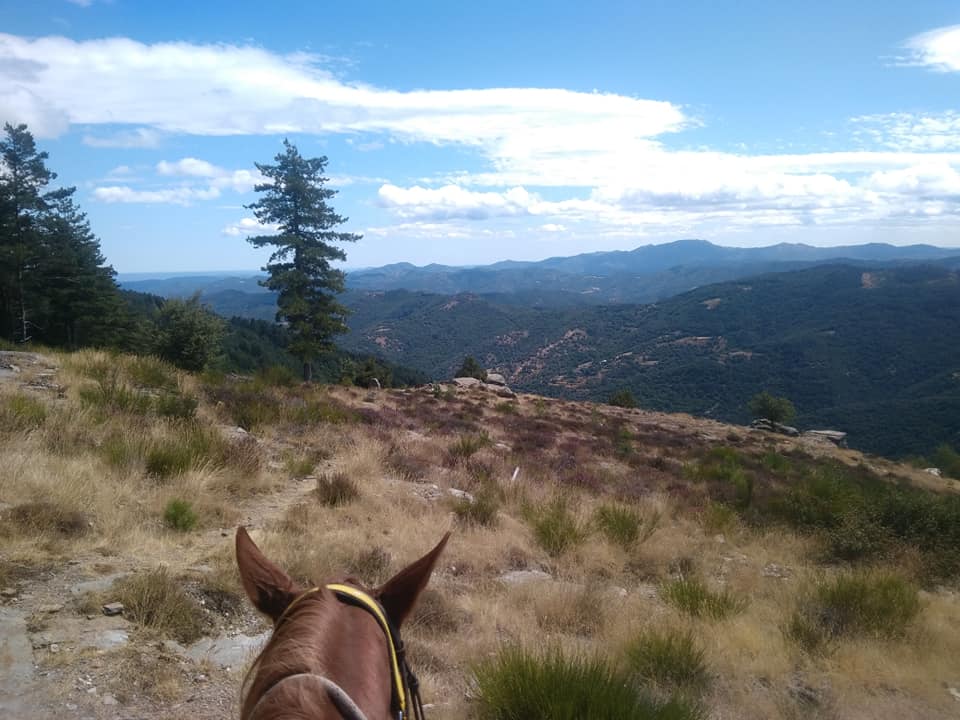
[[556, 528], [625, 525], [693, 597], [517, 683], [482, 510], [859, 604], [336, 489], [155, 599], [671, 659], [21, 412]]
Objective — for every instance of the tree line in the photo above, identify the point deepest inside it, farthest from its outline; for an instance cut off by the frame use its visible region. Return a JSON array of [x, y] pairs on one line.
[[57, 289]]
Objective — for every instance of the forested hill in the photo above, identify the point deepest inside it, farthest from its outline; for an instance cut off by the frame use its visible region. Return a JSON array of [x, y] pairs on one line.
[[872, 352]]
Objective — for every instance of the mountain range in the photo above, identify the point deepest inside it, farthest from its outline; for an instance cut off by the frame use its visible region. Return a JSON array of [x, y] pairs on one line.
[[862, 339]]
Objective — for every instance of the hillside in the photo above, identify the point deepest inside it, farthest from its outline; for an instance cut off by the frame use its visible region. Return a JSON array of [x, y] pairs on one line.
[[872, 352], [726, 572]]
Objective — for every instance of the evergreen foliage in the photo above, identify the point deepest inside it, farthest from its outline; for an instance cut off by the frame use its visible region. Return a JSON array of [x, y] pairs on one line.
[[189, 335], [471, 368], [295, 200], [623, 398], [771, 407], [55, 287]]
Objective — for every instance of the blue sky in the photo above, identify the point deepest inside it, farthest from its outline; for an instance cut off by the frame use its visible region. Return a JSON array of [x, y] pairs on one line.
[[469, 133]]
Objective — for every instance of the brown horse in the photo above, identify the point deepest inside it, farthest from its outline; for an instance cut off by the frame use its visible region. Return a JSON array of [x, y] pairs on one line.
[[335, 651]]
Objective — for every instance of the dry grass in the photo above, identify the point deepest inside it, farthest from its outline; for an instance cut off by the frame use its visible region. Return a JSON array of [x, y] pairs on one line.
[[76, 485]]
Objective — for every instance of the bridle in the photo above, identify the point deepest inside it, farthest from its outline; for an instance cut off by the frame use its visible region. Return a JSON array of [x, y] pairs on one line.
[[405, 687]]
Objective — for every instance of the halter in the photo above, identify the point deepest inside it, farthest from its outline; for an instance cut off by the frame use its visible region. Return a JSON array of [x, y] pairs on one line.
[[404, 682]]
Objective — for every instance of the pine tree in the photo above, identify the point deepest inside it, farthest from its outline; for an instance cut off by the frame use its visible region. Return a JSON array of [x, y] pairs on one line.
[[296, 201], [23, 205]]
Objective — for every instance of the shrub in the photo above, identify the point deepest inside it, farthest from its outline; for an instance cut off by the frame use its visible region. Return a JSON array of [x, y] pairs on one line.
[[465, 446], [877, 604], [111, 393], [21, 412], [151, 373], [482, 510], [625, 525], [278, 376], [43, 517], [175, 405], [168, 459], [517, 683], [695, 598], [471, 368], [336, 489], [623, 398], [179, 515], [669, 658], [556, 529], [723, 466], [188, 334], [948, 460], [771, 407], [155, 600]]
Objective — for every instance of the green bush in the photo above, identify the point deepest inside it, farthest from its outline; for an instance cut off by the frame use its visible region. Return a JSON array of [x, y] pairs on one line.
[[693, 597], [623, 398], [471, 368], [168, 459], [188, 334], [517, 684], [151, 373], [175, 405], [179, 515], [482, 510], [669, 658], [555, 528], [871, 604], [336, 489], [624, 525], [771, 407], [724, 467], [948, 460], [111, 393], [465, 446]]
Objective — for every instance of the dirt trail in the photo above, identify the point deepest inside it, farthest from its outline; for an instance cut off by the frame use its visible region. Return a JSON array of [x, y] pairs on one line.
[[56, 661]]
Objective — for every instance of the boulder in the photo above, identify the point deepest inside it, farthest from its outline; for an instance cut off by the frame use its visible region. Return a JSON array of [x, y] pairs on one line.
[[496, 379], [466, 382], [837, 437]]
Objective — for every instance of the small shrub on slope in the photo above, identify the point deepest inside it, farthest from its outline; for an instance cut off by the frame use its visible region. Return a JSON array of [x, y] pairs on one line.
[[482, 510], [519, 684], [179, 515], [879, 605]]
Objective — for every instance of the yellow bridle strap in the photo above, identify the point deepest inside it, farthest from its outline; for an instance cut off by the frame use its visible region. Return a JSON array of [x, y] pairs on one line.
[[374, 608]]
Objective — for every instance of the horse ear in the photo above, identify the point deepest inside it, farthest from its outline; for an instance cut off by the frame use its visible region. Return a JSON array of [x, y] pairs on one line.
[[269, 588], [399, 594]]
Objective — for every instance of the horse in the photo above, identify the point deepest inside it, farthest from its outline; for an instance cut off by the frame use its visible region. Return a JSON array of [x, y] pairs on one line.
[[335, 652]]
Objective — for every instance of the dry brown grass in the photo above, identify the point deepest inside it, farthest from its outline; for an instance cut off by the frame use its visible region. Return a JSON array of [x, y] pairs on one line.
[[602, 592]]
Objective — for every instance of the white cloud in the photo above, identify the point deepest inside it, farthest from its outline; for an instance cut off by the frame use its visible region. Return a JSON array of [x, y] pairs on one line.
[[174, 196], [911, 131], [938, 49], [189, 166], [248, 226], [452, 201], [553, 228], [136, 138]]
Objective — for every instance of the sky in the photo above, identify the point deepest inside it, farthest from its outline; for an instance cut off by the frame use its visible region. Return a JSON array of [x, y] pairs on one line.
[[466, 133]]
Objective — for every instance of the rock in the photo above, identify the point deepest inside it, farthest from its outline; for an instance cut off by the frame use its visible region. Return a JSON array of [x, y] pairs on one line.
[[786, 430], [837, 437], [772, 570], [50, 609], [496, 379], [720, 539], [505, 392], [110, 639], [113, 608], [96, 586], [54, 648], [227, 652], [109, 700], [462, 495], [466, 382], [955, 692], [8, 592], [522, 577], [933, 471]]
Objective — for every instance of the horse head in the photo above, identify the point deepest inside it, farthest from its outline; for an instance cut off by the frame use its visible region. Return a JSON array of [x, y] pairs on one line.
[[335, 651]]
